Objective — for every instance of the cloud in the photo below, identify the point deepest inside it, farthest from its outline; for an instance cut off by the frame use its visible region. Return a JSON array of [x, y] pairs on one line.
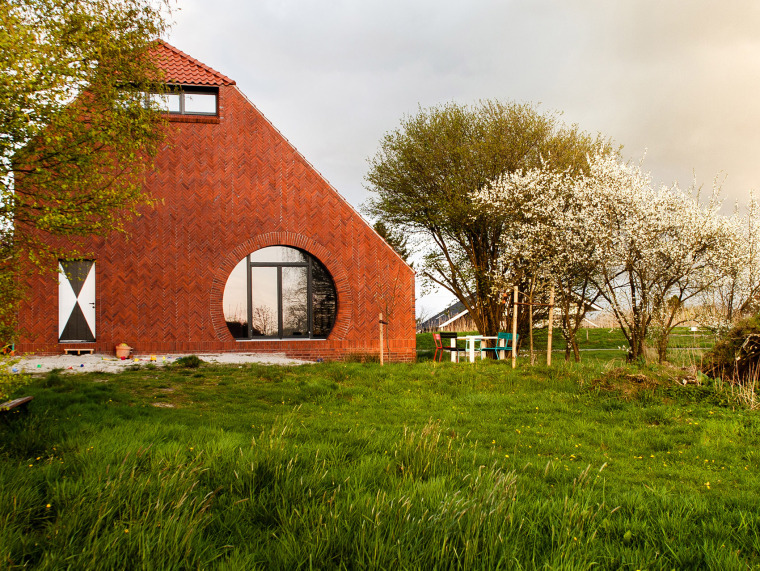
[[678, 79]]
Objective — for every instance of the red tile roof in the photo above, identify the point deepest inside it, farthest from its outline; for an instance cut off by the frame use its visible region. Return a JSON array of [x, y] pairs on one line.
[[182, 69]]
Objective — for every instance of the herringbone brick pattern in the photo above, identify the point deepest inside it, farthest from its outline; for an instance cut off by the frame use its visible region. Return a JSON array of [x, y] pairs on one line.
[[225, 189]]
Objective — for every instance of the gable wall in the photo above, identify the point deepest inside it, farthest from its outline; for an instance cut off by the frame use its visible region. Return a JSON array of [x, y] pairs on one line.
[[224, 190]]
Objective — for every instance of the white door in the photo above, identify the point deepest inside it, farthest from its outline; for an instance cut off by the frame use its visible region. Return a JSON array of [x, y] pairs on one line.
[[76, 300]]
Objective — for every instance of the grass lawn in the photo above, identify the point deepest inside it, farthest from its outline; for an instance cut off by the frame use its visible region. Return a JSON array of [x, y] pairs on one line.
[[418, 466]]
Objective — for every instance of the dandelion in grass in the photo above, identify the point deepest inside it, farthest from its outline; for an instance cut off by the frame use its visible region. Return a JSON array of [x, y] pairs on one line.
[[47, 506]]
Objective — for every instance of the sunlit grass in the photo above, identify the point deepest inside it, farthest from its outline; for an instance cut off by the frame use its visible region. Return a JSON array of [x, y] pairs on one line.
[[415, 466]]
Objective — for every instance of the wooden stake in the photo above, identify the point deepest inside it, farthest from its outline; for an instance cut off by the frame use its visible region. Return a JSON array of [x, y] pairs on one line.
[[530, 320], [551, 324], [381, 338], [514, 332]]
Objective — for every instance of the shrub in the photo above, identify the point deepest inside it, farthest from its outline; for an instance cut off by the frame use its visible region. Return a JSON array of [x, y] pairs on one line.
[[189, 362], [729, 358]]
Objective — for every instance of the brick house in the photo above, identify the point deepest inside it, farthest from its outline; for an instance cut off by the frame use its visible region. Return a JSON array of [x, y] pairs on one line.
[[247, 249]]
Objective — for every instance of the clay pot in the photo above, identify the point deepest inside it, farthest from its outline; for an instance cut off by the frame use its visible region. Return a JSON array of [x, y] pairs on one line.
[[123, 350]]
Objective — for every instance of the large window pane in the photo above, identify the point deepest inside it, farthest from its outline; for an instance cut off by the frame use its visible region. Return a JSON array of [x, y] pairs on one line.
[[280, 292], [264, 302], [166, 101], [324, 300], [235, 301], [202, 103], [295, 317]]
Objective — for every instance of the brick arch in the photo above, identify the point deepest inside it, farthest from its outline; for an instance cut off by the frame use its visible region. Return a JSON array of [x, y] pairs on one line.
[[294, 240]]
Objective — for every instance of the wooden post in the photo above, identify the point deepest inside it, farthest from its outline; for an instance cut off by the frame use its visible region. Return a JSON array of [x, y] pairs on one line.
[[551, 324], [514, 331], [530, 320], [381, 338]]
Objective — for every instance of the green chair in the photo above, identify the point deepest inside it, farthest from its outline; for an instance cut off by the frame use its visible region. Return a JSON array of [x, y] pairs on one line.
[[507, 346]]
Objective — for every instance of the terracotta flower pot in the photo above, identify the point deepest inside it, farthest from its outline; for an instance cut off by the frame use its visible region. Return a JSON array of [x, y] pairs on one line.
[[123, 350]]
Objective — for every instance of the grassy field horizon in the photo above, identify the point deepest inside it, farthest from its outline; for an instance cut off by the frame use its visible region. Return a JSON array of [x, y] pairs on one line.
[[357, 466]]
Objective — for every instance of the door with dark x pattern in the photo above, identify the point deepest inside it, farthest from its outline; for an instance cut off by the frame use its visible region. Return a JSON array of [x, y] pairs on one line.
[[76, 301]]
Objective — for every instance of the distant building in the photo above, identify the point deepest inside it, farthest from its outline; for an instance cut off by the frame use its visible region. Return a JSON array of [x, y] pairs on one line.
[[457, 318]]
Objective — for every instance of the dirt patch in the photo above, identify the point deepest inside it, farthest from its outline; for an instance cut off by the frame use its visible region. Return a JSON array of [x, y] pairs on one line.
[[631, 385], [110, 364]]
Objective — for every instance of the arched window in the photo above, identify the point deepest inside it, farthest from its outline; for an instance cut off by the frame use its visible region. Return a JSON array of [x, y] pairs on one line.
[[280, 292]]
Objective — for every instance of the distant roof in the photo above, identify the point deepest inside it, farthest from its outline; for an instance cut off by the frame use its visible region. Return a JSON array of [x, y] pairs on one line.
[[438, 320], [185, 70]]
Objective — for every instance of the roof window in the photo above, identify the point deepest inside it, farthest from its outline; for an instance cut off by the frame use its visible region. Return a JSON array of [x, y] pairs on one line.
[[182, 100]]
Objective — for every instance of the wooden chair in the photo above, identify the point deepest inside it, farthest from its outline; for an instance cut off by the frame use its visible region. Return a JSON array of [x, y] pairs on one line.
[[502, 335], [445, 338]]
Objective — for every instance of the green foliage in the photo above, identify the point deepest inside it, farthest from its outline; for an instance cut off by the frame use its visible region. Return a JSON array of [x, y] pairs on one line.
[[75, 138], [722, 360], [425, 175], [189, 362], [10, 377], [342, 465], [10, 295]]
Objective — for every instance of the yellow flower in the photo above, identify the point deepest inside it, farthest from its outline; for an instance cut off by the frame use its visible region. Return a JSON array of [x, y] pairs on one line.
[[47, 506]]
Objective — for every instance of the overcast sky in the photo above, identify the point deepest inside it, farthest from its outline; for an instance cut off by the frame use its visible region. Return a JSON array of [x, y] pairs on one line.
[[678, 80]]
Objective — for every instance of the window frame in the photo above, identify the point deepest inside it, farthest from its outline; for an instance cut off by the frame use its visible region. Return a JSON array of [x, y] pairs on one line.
[[181, 91], [309, 265]]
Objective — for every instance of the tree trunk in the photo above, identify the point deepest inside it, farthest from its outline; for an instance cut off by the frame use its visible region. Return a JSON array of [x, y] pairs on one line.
[[576, 350], [662, 349]]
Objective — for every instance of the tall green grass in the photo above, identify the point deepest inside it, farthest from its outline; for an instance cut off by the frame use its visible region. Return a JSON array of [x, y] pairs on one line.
[[352, 466]]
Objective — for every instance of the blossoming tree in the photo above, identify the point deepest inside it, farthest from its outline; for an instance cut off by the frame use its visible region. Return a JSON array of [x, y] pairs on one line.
[[548, 243], [658, 248], [610, 233]]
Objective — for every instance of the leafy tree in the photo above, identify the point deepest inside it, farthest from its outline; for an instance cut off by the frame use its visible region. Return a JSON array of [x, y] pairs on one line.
[[75, 136], [427, 172]]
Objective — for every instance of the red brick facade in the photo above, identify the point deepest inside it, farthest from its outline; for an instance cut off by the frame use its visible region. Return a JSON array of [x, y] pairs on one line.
[[226, 187]]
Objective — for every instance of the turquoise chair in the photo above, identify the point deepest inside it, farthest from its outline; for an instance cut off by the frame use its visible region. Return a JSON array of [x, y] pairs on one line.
[[506, 346]]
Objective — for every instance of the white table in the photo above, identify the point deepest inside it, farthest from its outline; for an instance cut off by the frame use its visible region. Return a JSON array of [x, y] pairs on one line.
[[470, 341]]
